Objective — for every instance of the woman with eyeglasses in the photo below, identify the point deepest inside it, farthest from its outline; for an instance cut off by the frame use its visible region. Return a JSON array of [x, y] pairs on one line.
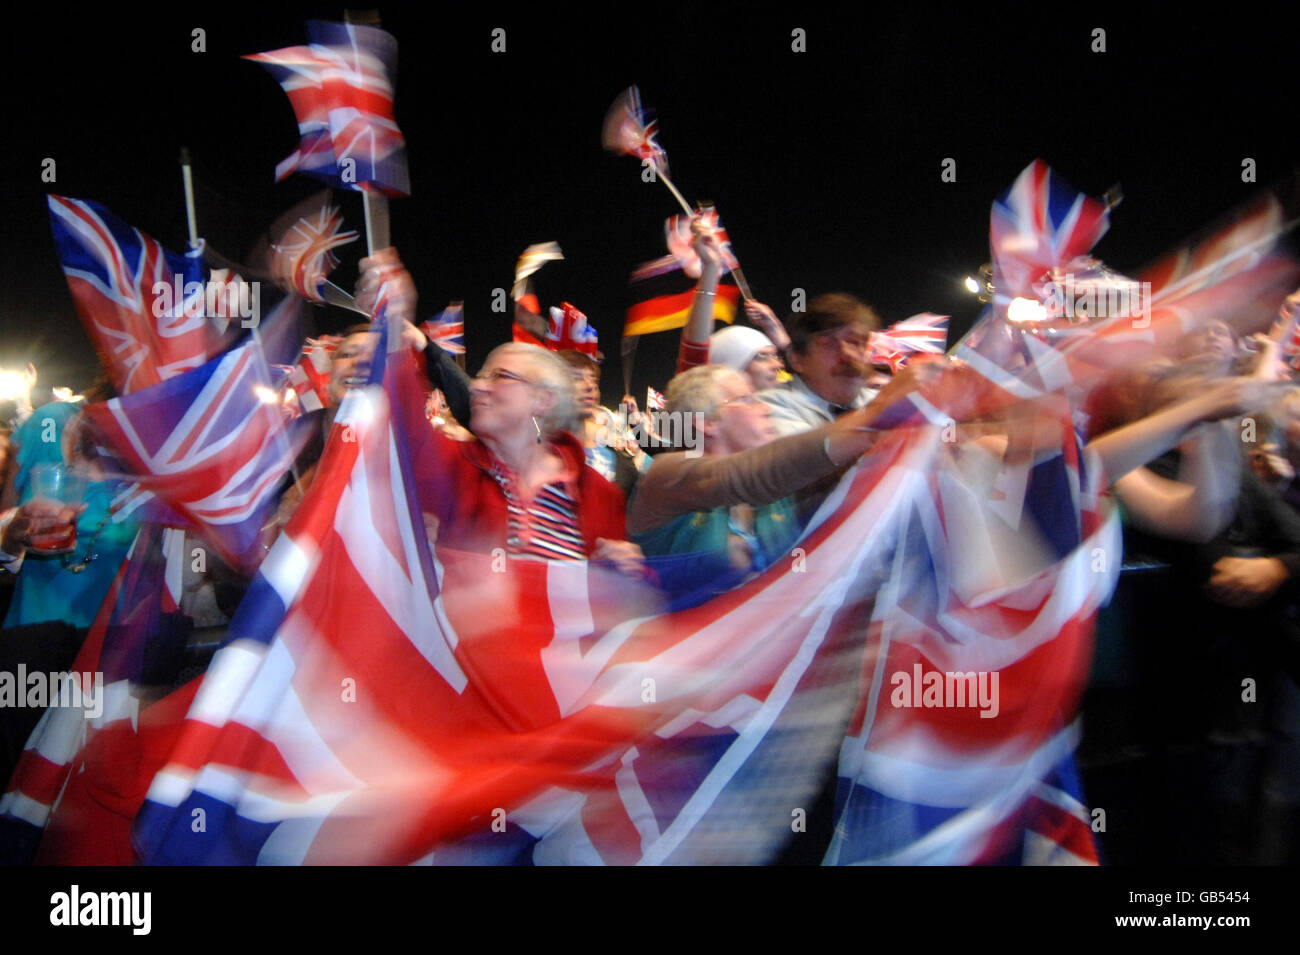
[[724, 506]]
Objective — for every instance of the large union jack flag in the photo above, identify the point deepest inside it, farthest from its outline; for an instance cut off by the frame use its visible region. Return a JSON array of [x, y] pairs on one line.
[[123, 283], [341, 89]]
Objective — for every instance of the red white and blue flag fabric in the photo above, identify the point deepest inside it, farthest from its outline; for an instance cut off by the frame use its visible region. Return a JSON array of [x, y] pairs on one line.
[[568, 328], [677, 231], [124, 284], [447, 329], [628, 131], [310, 377], [304, 256], [341, 89], [212, 444], [923, 334], [84, 759]]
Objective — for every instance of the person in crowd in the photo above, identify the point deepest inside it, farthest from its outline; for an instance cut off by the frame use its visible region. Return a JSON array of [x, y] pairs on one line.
[[829, 344], [728, 503], [604, 441], [523, 484]]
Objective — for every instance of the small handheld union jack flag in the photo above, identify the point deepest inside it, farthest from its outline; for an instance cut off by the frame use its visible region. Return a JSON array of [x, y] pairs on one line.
[[304, 257], [920, 334], [447, 329], [341, 90], [678, 232]]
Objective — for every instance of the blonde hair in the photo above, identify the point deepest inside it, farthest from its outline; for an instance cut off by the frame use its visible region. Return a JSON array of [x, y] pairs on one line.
[[546, 370], [697, 389]]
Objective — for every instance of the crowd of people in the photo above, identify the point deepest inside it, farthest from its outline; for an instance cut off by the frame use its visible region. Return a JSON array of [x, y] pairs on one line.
[[522, 458]]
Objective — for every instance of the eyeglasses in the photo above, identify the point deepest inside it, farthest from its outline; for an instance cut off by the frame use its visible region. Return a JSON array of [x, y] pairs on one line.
[[500, 374], [832, 341]]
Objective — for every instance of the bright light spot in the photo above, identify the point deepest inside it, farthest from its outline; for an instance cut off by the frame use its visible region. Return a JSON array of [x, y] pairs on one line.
[[66, 394], [971, 285], [13, 385], [1026, 310], [267, 396]]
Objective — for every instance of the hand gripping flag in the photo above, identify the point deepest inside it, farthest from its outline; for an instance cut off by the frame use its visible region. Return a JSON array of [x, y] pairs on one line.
[[662, 295], [679, 235], [341, 90], [151, 314], [447, 329], [212, 444]]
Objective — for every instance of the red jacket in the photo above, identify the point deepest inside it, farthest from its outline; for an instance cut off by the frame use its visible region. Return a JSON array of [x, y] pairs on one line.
[[456, 484]]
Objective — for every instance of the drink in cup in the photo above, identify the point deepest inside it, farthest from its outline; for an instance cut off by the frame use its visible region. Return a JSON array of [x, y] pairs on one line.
[[57, 491]]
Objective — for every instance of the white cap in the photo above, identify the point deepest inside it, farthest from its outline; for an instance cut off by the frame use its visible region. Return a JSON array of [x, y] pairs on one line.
[[736, 345]]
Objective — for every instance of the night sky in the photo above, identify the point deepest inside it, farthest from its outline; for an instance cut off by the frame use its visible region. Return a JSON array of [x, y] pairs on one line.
[[825, 165]]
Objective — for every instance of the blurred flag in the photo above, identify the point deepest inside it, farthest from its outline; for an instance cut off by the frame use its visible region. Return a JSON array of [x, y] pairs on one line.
[[341, 90], [144, 308], [532, 259], [447, 329], [1039, 224], [310, 377], [662, 295], [654, 401], [678, 232], [568, 329], [304, 256], [212, 444], [921, 334], [626, 131]]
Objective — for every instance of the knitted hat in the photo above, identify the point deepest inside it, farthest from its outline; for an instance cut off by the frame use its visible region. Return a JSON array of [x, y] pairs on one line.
[[736, 345]]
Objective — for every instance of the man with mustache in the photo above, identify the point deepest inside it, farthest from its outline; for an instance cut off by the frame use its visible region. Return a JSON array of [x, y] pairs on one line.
[[828, 353]]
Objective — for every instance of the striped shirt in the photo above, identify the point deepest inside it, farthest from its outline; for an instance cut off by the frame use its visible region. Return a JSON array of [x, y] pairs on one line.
[[545, 527]]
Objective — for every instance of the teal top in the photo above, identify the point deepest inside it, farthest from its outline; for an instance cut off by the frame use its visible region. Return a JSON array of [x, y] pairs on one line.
[[45, 589], [697, 542]]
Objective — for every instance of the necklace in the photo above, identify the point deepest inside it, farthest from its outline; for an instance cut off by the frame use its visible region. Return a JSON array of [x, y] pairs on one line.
[[90, 554]]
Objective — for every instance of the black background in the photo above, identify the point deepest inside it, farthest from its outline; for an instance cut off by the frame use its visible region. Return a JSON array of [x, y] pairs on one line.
[[825, 165]]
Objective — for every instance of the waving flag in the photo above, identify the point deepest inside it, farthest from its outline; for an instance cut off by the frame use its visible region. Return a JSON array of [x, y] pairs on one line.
[[304, 257], [1041, 223], [627, 131], [144, 308], [678, 232], [568, 329], [211, 444], [921, 334], [447, 329], [310, 377], [662, 295], [341, 90], [84, 758]]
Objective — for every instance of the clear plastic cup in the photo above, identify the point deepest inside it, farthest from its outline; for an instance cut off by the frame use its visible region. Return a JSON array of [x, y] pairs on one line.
[[60, 488]]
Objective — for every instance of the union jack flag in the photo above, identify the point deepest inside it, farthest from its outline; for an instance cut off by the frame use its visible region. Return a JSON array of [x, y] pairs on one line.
[[627, 131], [304, 257], [447, 329], [654, 401], [678, 233], [921, 334], [1039, 224], [568, 329], [124, 285], [84, 760], [341, 90], [212, 444], [310, 377]]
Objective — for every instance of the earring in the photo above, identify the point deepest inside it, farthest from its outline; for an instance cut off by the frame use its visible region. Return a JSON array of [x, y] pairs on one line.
[[539, 429]]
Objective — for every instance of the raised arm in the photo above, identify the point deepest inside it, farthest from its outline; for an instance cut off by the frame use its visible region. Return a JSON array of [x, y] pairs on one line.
[[694, 349]]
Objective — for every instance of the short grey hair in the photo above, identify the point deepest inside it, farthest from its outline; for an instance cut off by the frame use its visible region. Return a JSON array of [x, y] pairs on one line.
[[546, 370], [698, 389]]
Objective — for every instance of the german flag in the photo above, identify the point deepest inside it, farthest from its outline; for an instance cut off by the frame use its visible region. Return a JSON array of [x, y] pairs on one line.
[[662, 295]]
